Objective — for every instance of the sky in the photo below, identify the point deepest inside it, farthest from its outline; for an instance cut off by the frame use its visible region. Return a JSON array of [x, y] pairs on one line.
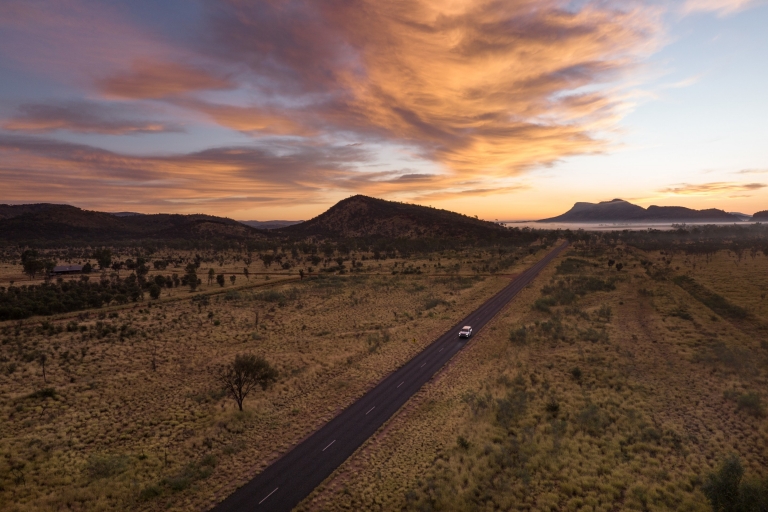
[[277, 109]]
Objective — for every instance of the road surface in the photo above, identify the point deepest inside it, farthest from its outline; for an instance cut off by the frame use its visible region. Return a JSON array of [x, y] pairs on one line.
[[291, 478]]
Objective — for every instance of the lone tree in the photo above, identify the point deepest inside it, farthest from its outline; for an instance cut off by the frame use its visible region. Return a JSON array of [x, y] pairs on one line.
[[211, 275], [220, 279], [232, 279], [241, 376], [191, 275], [246, 273], [103, 257]]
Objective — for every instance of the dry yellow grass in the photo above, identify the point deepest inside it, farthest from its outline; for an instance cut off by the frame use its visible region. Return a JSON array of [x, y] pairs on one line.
[[651, 414], [129, 416]]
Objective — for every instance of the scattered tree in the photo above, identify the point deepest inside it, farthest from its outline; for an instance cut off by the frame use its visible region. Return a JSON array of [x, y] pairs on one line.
[[232, 279], [245, 273], [211, 276], [42, 358], [32, 267], [220, 279], [246, 372], [191, 276], [103, 257]]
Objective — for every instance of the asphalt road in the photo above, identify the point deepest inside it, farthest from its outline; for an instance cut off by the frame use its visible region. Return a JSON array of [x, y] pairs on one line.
[[283, 485]]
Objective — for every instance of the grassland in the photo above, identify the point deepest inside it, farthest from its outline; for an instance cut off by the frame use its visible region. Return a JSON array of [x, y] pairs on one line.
[[123, 411], [596, 389]]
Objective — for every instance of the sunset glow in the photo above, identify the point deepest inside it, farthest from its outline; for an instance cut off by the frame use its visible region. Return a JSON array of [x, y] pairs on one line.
[[278, 109]]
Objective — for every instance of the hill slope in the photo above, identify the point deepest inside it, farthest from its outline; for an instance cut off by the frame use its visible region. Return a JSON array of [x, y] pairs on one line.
[[363, 216], [619, 210], [761, 216], [56, 223]]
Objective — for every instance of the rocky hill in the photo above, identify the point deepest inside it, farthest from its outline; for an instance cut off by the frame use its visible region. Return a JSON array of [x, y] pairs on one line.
[[362, 216], [619, 210], [56, 223]]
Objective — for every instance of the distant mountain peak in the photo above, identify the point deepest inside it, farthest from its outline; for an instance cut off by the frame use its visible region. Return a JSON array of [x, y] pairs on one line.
[[619, 210]]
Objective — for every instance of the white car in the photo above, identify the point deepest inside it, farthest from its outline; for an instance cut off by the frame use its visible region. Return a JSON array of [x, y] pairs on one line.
[[465, 332]]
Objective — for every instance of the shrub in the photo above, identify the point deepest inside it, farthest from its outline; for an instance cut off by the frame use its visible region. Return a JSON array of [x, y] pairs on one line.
[[43, 393], [103, 466], [552, 407], [594, 335], [576, 373], [433, 302], [519, 335], [751, 403], [543, 304], [511, 409], [150, 492], [592, 420], [604, 313], [572, 266], [722, 488], [681, 312], [462, 442]]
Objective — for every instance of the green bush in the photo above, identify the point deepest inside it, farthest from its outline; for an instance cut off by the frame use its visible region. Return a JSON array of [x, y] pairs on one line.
[[572, 266], [103, 466], [552, 407], [433, 303], [727, 492], [43, 393], [150, 492], [576, 373], [751, 403], [510, 409], [592, 420], [519, 335], [544, 304]]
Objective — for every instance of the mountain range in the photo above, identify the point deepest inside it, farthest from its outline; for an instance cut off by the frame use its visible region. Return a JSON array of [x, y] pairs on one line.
[[355, 217], [619, 210]]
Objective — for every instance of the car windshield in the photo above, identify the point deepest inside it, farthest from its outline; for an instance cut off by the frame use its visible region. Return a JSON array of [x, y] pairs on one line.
[[466, 328]]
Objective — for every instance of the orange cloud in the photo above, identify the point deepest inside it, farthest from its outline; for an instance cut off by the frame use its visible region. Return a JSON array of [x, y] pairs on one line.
[[155, 79], [254, 119], [38, 169], [475, 92], [484, 88]]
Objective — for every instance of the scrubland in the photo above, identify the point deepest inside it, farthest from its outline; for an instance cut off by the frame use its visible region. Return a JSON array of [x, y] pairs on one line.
[[596, 389], [117, 408]]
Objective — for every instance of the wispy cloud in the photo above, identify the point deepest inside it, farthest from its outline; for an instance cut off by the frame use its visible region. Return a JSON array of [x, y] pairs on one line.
[[752, 171], [285, 172], [681, 84], [467, 193], [721, 7], [85, 117], [475, 91], [713, 188], [146, 79]]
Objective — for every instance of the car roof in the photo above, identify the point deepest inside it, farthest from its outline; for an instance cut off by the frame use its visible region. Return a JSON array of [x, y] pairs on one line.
[[467, 327]]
